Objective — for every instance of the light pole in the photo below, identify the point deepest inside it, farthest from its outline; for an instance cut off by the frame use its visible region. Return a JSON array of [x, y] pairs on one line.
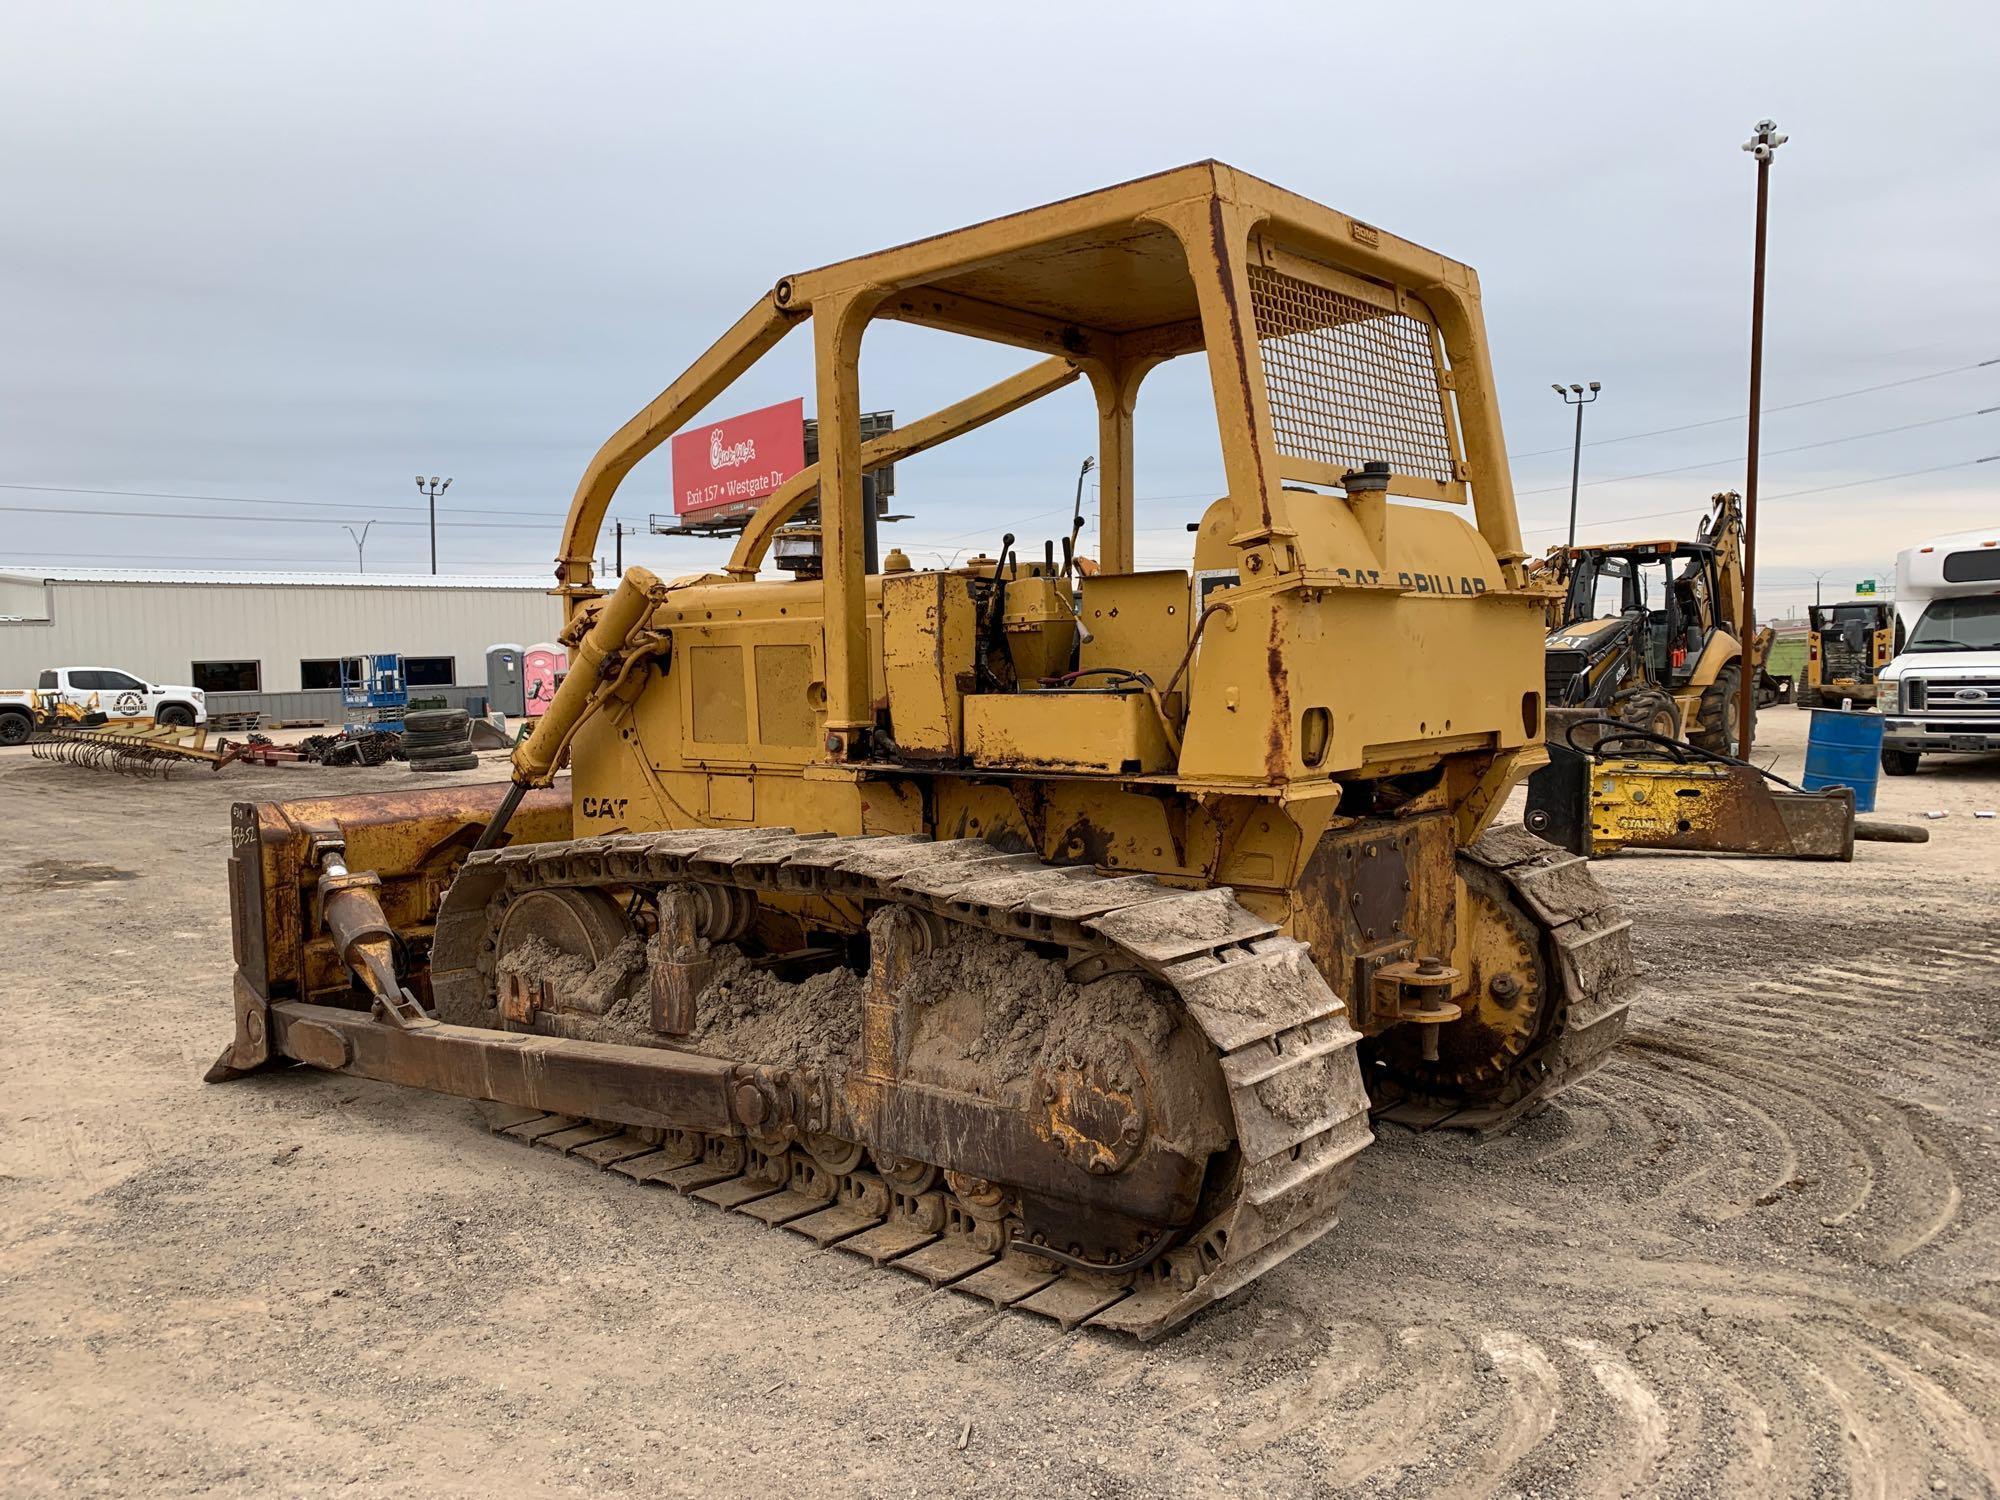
[[1574, 396], [360, 542], [1763, 144], [432, 488]]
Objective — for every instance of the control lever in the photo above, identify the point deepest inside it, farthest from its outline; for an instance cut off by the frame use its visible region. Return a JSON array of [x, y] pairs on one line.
[[996, 628], [1076, 525]]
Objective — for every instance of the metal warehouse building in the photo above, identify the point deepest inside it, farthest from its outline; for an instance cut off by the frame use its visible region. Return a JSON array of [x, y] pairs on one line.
[[269, 641]]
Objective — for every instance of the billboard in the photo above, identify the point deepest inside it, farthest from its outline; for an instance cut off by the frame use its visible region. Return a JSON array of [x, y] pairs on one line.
[[738, 461]]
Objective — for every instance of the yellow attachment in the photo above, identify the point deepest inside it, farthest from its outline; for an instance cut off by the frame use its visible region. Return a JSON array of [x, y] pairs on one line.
[[1714, 806]]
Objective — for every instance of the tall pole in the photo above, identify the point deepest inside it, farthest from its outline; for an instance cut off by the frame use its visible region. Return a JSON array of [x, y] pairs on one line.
[[618, 535], [1574, 396], [1762, 144], [1575, 472], [432, 488], [360, 544]]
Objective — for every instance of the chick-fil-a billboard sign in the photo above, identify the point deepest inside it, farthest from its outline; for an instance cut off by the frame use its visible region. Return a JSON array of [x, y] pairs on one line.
[[739, 460]]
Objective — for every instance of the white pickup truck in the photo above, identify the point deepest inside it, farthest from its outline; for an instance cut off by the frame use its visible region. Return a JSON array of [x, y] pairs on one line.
[[116, 694]]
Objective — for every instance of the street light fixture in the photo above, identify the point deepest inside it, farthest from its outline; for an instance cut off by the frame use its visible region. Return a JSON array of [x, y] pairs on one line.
[[432, 488], [1574, 396], [360, 543]]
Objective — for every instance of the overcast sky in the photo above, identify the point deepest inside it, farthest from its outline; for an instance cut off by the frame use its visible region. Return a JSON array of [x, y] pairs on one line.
[[300, 253]]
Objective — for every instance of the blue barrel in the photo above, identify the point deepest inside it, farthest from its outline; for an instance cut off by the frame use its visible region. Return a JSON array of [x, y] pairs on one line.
[[1844, 748]]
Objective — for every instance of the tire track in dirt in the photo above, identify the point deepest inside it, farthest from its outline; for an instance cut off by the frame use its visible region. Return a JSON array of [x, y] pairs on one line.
[[1731, 1262]]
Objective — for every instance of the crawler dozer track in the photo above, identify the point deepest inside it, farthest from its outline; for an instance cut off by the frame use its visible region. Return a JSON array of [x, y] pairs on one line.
[[1571, 937], [1270, 1044]]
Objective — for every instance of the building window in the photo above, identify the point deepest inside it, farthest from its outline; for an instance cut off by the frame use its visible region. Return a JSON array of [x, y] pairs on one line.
[[320, 674], [228, 676], [430, 671]]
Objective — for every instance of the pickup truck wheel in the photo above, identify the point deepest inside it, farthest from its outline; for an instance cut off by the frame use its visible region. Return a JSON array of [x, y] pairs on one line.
[[179, 716], [15, 728], [1900, 762]]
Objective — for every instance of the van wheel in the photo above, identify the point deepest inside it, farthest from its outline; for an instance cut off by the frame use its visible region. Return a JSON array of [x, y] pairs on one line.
[[1900, 762], [176, 715], [15, 729]]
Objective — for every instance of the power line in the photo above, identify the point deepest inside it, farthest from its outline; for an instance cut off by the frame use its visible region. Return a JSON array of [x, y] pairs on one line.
[[1654, 515], [1853, 437], [209, 557], [178, 515], [1789, 406], [346, 506], [1824, 489]]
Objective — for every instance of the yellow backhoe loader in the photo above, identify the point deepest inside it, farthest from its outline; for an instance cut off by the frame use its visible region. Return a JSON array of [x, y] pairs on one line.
[[1650, 633], [1050, 938]]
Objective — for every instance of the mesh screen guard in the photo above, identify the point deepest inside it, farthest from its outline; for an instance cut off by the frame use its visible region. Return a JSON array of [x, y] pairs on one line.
[[1349, 382]]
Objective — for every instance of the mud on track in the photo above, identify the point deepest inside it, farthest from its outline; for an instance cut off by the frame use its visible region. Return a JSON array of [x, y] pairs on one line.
[[1757, 1253]]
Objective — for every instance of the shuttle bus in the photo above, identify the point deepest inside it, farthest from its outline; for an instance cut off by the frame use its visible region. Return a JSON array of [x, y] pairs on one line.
[[1942, 692]]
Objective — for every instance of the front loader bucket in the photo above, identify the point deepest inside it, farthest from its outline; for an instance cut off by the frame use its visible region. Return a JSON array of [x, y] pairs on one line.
[[414, 840]]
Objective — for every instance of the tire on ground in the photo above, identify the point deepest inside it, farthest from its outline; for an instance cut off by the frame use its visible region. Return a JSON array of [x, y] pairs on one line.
[[1651, 709], [175, 715], [446, 763], [1900, 762], [1715, 717], [15, 729], [430, 739], [434, 720], [451, 751]]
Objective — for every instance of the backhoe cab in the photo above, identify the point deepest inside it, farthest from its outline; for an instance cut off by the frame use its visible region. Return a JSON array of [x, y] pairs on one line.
[[1649, 633]]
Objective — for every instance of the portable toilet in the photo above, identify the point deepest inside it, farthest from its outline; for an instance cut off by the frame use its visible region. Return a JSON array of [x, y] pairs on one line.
[[542, 669], [505, 681]]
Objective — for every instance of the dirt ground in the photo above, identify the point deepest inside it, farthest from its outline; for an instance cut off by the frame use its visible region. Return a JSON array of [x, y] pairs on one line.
[[1757, 1254]]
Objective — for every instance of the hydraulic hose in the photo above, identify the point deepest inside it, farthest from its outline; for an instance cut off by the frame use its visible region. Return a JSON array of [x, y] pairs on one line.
[[537, 758]]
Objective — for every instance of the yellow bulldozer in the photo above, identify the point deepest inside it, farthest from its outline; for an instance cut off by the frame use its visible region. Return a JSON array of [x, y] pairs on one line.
[[1050, 937]]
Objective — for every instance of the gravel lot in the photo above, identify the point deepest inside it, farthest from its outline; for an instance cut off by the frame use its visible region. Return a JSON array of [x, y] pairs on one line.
[[1757, 1254]]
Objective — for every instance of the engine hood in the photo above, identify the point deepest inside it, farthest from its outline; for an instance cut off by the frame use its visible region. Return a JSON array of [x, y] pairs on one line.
[[1591, 637]]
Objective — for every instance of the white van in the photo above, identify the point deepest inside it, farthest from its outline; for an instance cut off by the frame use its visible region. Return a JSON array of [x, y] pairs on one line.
[[1942, 692]]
